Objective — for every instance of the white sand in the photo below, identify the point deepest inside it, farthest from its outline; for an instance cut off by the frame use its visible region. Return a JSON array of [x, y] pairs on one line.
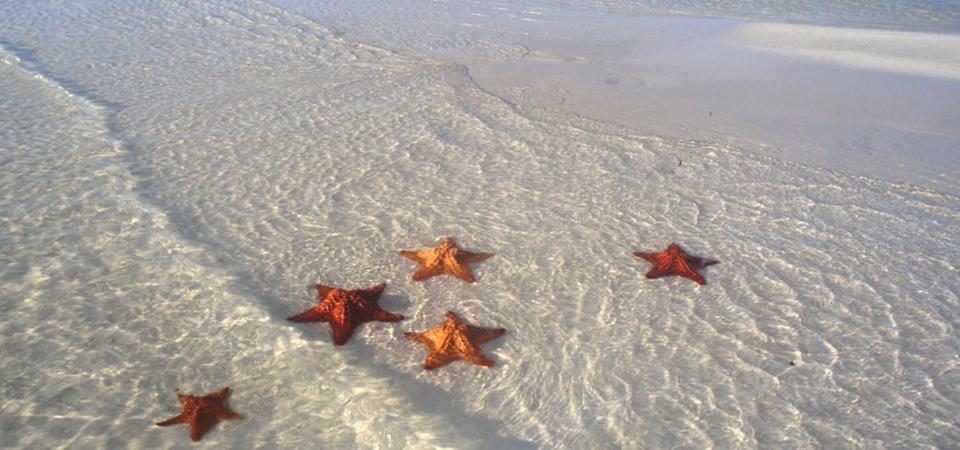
[[868, 102], [175, 174]]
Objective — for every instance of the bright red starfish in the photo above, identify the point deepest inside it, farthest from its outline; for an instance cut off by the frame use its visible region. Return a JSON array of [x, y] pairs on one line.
[[675, 261], [202, 412], [345, 309]]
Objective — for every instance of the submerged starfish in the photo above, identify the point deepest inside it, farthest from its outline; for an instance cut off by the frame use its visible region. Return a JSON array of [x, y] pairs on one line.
[[202, 412], [346, 309], [445, 258], [455, 340], [675, 261]]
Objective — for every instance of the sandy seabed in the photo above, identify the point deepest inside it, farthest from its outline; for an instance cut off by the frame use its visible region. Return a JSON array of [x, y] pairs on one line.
[[176, 176]]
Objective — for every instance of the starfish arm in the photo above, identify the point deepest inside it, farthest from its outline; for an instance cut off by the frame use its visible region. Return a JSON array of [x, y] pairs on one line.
[[227, 414], [480, 360], [409, 254], [436, 360], [372, 294], [322, 290], [657, 272], [465, 349], [184, 399], [693, 275], [708, 262], [200, 426], [340, 332], [651, 257], [481, 335], [172, 421], [315, 314], [685, 269], [432, 338], [435, 336], [475, 257], [695, 262], [418, 337], [222, 394], [425, 272], [384, 316], [461, 271]]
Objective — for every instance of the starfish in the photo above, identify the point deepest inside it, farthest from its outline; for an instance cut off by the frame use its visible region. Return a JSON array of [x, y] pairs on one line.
[[202, 412], [445, 258], [675, 261], [345, 309], [455, 340]]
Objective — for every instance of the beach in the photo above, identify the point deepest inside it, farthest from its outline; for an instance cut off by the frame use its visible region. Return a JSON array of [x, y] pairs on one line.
[[178, 175]]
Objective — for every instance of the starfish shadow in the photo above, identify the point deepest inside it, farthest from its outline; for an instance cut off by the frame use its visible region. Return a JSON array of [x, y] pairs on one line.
[[489, 349], [704, 271], [483, 431], [396, 304]]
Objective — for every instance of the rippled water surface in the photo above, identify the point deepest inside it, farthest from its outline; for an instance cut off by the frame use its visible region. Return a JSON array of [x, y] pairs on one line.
[[175, 175], [941, 15]]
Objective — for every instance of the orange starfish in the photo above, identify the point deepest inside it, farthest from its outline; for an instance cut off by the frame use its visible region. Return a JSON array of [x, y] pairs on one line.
[[455, 340], [345, 309], [445, 258], [675, 261], [202, 412]]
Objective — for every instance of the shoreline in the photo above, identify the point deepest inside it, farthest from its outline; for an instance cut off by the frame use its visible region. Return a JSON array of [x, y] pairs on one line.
[[866, 102]]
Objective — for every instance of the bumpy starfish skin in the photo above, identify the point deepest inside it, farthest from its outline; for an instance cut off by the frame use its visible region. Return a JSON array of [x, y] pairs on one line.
[[675, 261], [445, 258], [346, 309], [202, 412], [455, 340]]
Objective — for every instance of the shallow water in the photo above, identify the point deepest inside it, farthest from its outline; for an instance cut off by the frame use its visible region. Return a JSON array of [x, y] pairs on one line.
[[939, 15], [875, 103], [176, 175]]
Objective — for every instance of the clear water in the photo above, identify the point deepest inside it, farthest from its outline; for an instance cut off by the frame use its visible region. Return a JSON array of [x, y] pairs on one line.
[[175, 175], [927, 15]]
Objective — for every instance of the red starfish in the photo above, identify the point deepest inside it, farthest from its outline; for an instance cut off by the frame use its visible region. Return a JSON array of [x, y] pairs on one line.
[[202, 412], [675, 261], [455, 340], [345, 309], [444, 258]]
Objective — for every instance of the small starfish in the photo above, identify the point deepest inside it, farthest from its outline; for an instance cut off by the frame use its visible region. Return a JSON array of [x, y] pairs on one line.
[[445, 258], [202, 412], [675, 261], [345, 309], [455, 340]]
